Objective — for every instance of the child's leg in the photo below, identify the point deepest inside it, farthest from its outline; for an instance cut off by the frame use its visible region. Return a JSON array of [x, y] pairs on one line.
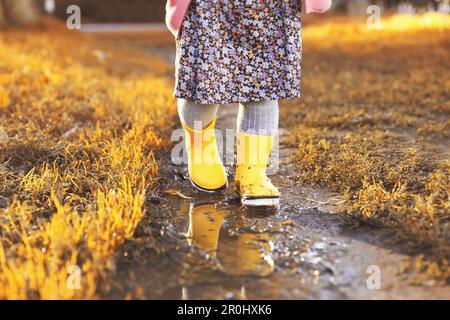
[[257, 125], [193, 114], [259, 118], [206, 170]]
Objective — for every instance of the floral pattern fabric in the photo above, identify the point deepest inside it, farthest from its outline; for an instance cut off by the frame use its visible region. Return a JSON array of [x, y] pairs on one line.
[[238, 51]]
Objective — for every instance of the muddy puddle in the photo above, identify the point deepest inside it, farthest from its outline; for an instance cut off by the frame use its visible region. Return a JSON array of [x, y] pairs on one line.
[[213, 248], [224, 237], [192, 245]]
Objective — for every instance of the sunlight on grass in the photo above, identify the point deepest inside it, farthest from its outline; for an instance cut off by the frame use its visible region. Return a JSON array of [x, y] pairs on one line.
[[348, 30], [426, 21], [78, 160], [373, 125]]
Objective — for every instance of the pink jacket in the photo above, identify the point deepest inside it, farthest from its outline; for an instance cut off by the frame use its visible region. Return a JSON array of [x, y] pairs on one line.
[[176, 10]]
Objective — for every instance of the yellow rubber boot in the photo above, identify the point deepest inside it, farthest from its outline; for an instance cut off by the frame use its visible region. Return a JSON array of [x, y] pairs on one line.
[[252, 183], [206, 170]]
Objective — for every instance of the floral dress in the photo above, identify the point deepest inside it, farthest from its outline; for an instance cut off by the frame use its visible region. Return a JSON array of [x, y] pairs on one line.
[[238, 51]]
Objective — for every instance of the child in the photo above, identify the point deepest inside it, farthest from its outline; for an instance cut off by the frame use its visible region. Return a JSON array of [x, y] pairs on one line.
[[236, 51]]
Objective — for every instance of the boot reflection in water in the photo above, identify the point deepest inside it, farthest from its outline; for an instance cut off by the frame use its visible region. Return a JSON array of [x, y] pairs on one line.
[[204, 226], [244, 254]]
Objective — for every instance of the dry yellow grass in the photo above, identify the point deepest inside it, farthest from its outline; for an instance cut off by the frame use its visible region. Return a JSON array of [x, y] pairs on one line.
[[80, 124], [373, 124], [78, 132]]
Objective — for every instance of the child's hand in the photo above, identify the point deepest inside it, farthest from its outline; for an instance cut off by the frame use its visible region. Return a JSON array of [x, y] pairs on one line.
[[317, 6]]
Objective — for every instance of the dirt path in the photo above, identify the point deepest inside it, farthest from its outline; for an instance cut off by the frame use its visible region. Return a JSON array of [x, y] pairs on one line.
[[209, 247]]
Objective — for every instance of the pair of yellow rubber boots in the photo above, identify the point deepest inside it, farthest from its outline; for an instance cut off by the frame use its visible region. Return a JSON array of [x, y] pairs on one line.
[[208, 174]]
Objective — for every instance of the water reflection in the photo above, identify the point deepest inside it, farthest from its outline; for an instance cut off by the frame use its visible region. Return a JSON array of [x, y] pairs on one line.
[[239, 253]]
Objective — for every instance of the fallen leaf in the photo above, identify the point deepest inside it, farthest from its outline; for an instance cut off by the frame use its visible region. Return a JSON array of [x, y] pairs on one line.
[[177, 193]]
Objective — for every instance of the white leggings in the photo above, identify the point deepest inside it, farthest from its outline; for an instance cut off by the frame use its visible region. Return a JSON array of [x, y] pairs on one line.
[[259, 118]]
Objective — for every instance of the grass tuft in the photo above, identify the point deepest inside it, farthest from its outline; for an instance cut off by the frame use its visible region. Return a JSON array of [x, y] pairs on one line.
[[77, 142], [372, 126]]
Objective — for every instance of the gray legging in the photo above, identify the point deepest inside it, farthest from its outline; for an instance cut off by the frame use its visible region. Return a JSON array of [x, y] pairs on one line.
[[260, 118]]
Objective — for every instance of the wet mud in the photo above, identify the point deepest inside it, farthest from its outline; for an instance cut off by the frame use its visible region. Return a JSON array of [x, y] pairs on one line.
[[193, 245]]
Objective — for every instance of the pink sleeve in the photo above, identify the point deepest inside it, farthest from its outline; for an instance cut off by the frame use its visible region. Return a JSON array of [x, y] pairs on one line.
[[175, 12], [317, 6]]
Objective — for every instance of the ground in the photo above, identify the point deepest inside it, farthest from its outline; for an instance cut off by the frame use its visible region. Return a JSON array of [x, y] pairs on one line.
[[88, 181]]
